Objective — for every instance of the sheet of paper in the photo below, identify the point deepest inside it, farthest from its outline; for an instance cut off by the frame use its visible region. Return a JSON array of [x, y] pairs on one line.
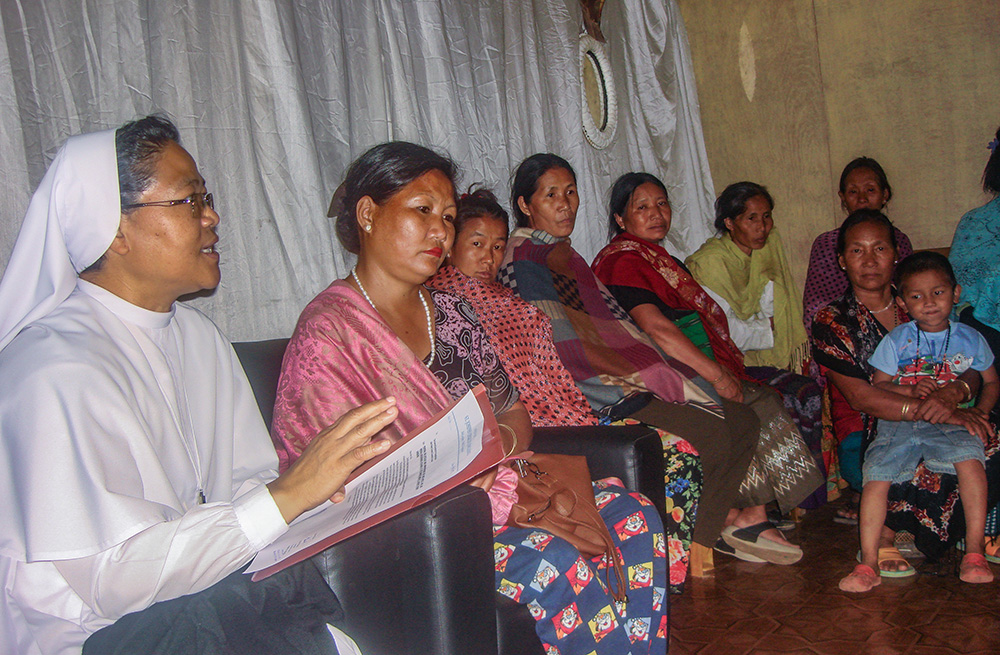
[[437, 454]]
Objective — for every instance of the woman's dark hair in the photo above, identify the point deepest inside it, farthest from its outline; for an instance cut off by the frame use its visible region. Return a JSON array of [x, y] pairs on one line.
[[874, 167], [873, 216], [525, 181], [137, 147], [921, 262], [379, 174], [477, 203], [991, 175], [621, 193], [733, 201]]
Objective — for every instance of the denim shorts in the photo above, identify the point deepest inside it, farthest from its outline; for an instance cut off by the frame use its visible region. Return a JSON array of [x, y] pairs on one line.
[[900, 445]]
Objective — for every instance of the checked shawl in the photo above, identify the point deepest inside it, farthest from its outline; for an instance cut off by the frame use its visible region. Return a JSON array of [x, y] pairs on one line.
[[607, 355]]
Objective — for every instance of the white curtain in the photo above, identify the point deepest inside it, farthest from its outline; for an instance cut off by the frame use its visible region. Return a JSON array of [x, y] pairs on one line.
[[275, 98]]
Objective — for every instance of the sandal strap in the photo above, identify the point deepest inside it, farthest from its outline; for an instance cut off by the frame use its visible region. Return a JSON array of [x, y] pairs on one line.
[[864, 569], [973, 559]]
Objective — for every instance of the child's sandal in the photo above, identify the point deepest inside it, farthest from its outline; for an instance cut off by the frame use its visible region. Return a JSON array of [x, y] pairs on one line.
[[863, 578], [974, 569]]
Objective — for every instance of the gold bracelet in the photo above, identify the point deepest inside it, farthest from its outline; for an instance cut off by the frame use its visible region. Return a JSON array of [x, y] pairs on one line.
[[718, 379], [968, 391], [904, 410], [513, 436]]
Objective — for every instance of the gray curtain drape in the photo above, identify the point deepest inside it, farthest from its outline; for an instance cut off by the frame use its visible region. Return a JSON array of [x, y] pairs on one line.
[[275, 98]]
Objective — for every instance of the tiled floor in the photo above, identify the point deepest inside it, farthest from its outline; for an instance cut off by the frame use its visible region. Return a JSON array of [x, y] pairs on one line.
[[762, 608]]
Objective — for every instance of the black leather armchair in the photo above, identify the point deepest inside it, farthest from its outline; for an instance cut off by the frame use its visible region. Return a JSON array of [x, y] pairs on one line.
[[422, 582]]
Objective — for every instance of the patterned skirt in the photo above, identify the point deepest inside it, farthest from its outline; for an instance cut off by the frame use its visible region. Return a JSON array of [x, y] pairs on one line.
[[783, 469], [803, 397], [682, 480], [928, 506]]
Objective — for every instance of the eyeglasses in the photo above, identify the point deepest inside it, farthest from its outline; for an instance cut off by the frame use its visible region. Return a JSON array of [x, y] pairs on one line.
[[198, 202]]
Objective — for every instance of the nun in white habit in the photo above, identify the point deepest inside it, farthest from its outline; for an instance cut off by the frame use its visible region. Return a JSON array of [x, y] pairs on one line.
[[134, 464]]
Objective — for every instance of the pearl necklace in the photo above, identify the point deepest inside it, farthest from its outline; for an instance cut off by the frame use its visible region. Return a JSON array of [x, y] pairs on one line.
[[427, 312]]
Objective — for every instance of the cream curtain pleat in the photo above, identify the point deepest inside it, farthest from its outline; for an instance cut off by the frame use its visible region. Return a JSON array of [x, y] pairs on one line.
[[275, 98]]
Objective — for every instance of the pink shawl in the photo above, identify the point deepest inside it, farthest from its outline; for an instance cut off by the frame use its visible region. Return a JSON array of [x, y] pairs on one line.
[[342, 355]]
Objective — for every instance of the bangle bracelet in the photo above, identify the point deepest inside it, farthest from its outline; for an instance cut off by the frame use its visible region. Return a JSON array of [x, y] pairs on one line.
[[904, 410], [513, 436], [718, 379], [968, 391]]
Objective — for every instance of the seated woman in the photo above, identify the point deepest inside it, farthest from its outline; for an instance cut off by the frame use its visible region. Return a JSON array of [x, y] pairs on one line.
[[522, 338], [665, 301], [137, 476], [610, 358], [975, 254], [844, 335], [381, 333], [863, 185], [746, 272]]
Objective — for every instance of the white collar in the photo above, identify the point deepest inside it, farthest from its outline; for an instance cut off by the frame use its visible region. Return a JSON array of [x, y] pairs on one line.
[[125, 310]]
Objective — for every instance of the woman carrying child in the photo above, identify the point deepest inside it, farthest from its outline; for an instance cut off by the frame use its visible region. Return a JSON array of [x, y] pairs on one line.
[[912, 361], [845, 334]]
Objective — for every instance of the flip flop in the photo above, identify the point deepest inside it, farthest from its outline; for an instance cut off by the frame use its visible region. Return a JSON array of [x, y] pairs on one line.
[[724, 548], [844, 515], [907, 547], [891, 553], [993, 549], [974, 569], [860, 580], [748, 540], [779, 521]]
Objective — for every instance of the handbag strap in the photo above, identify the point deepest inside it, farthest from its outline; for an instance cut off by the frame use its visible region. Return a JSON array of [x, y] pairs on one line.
[[611, 555], [526, 467]]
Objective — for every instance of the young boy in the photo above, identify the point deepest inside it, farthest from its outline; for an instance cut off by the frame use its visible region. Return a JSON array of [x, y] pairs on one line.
[[912, 361]]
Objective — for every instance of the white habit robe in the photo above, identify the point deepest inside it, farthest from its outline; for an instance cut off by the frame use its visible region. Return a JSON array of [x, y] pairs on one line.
[[114, 422]]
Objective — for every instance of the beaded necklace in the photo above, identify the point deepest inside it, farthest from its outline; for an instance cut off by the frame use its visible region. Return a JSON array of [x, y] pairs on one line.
[[939, 366], [427, 312]]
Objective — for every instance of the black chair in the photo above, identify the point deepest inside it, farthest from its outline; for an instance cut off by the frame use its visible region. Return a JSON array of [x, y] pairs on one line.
[[422, 582]]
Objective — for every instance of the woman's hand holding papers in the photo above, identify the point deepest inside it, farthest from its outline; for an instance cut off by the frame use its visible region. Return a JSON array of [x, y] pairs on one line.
[[319, 474]]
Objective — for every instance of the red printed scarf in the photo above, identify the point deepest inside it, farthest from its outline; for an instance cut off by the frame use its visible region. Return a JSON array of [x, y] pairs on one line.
[[632, 262]]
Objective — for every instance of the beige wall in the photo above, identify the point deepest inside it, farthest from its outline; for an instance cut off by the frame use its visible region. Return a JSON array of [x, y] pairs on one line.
[[913, 83]]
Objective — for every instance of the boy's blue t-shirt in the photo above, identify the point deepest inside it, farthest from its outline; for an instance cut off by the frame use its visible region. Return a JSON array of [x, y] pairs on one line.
[[897, 354]]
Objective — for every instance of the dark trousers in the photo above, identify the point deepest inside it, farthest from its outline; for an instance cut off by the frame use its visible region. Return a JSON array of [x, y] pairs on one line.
[[285, 614], [725, 447]]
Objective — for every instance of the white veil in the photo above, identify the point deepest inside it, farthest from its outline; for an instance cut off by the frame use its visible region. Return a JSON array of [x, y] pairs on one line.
[[71, 221]]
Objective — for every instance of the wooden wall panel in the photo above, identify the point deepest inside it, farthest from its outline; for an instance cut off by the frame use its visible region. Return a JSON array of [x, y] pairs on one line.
[[913, 83]]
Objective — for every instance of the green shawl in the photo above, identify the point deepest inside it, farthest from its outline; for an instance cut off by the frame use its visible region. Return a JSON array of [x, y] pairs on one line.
[[721, 266]]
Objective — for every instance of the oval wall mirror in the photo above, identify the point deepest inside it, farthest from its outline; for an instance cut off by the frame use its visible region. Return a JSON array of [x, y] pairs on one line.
[[600, 104]]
